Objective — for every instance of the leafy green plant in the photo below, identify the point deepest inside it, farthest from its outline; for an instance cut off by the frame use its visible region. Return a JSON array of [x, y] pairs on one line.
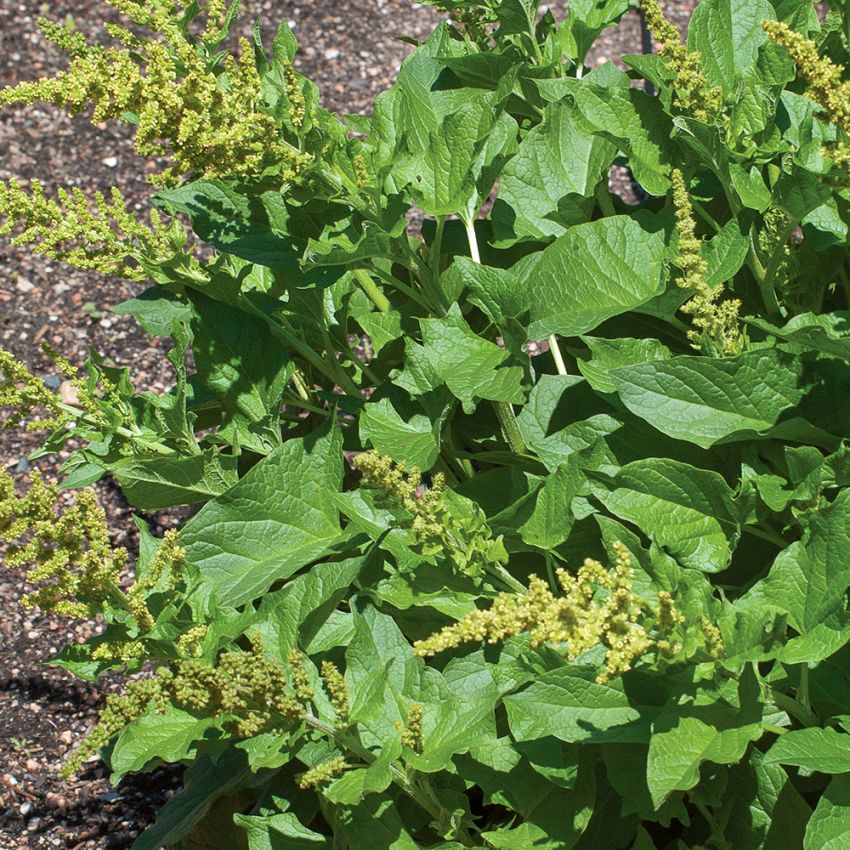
[[530, 529]]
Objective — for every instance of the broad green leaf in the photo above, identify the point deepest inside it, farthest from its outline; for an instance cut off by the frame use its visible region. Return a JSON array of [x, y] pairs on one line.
[[809, 581], [828, 332], [825, 750], [829, 826], [717, 726], [768, 812], [458, 712], [278, 518], [376, 822], [413, 442], [354, 785], [726, 252], [688, 511], [728, 36], [281, 832], [706, 401], [806, 197], [569, 704], [630, 119], [473, 368], [242, 365], [750, 187], [558, 820], [497, 291], [382, 675], [164, 737], [157, 482], [443, 176], [586, 20], [608, 354], [253, 228], [204, 782], [593, 272], [552, 519], [505, 776], [548, 184], [516, 16], [291, 617], [156, 310]]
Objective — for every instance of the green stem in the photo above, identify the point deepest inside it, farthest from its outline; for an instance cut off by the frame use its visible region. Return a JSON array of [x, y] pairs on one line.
[[81, 415], [282, 329], [773, 728], [355, 361], [803, 690], [706, 216], [557, 356], [409, 291], [763, 534], [550, 572], [768, 294], [497, 571], [417, 793], [463, 465], [371, 289], [300, 386], [510, 428], [716, 839], [340, 375], [437, 244], [793, 708], [474, 253]]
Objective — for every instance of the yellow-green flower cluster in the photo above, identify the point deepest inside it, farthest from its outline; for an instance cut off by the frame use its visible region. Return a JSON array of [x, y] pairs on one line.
[[361, 170], [826, 83], [465, 538], [714, 643], [712, 319], [295, 96], [124, 651], [598, 607], [694, 95], [169, 562], [205, 115], [76, 571], [25, 393], [407, 490], [300, 678], [322, 773], [246, 690], [413, 733], [337, 691], [189, 643], [101, 238], [120, 710]]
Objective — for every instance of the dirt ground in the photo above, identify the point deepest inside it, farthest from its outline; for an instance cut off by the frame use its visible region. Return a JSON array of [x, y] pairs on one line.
[[351, 49]]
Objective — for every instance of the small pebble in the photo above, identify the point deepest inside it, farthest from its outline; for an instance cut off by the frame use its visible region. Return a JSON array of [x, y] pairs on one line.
[[110, 161], [55, 801], [25, 808]]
